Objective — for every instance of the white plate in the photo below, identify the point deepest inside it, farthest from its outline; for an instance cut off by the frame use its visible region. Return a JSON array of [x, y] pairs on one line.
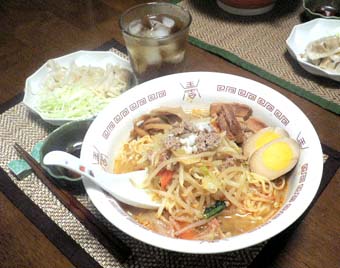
[[199, 89], [305, 33], [94, 58]]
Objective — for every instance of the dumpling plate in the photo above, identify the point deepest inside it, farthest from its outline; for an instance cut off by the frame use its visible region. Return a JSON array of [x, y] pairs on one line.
[[305, 33]]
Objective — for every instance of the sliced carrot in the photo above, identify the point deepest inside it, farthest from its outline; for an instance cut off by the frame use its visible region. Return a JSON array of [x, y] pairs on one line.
[[166, 177], [189, 234]]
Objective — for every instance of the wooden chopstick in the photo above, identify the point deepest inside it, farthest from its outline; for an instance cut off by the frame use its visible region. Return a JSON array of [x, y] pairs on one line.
[[113, 244]]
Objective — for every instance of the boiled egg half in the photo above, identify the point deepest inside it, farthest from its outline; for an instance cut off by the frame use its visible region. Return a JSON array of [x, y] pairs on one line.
[[261, 138], [275, 158]]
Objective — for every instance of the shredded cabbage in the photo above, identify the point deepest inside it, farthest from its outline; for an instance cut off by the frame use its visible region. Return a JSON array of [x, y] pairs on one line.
[[80, 91]]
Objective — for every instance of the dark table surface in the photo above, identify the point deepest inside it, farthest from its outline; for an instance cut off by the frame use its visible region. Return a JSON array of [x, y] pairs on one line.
[[33, 31]]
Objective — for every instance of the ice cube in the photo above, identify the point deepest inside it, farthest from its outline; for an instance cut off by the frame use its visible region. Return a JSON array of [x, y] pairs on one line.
[[153, 23], [168, 22], [136, 54], [135, 27], [175, 58], [159, 30], [140, 66], [152, 55], [169, 49]]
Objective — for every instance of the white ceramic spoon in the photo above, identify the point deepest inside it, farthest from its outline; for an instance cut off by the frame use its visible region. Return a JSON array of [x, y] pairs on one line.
[[118, 185]]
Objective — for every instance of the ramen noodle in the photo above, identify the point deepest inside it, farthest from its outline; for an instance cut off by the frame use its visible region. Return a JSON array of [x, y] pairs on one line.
[[198, 173]]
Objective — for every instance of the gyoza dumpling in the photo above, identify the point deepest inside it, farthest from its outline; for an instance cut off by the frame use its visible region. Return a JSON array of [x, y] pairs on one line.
[[337, 68], [315, 62], [323, 47], [327, 64], [335, 58]]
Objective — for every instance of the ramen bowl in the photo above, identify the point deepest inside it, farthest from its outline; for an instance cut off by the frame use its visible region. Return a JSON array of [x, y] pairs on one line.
[[198, 90]]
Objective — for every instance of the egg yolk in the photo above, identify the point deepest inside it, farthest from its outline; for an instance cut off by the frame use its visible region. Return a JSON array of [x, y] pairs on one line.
[[266, 138], [277, 156]]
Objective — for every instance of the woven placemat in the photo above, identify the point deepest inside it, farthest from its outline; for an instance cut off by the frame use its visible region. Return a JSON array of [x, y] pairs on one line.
[[258, 45], [19, 125]]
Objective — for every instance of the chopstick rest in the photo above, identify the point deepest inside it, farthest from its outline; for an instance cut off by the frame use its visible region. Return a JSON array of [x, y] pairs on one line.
[[20, 168]]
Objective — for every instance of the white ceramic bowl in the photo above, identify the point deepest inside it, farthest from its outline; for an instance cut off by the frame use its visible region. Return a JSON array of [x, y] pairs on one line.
[[94, 58], [305, 33], [199, 89]]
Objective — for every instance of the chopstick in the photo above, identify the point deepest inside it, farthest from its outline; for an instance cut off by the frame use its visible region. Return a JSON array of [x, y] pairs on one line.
[[113, 244]]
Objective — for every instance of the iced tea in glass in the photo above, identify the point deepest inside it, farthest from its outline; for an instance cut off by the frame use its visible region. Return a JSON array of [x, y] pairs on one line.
[[155, 35]]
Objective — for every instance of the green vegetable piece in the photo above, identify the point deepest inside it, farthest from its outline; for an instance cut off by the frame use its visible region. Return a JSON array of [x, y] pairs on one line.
[[205, 171], [215, 209]]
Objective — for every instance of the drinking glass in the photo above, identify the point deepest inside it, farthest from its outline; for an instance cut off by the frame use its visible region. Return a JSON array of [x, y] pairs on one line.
[[155, 35]]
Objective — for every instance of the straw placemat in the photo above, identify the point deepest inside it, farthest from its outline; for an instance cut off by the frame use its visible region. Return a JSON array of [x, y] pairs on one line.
[[258, 45], [19, 125]]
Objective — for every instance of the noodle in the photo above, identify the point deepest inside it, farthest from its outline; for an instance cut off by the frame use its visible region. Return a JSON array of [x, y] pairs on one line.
[[218, 176]]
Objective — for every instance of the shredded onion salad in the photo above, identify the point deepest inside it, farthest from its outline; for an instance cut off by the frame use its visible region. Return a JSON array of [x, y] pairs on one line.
[[199, 175], [80, 91]]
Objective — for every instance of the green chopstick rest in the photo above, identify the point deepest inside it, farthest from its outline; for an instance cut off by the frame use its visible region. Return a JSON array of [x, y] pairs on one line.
[[20, 167]]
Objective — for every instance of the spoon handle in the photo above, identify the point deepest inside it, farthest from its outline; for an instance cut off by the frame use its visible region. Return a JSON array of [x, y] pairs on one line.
[[67, 161], [118, 185]]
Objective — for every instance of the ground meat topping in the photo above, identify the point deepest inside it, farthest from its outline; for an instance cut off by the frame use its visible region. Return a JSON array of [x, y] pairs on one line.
[[230, 162], [172, 142], [207, 141], [187, 136], [183, 127]]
